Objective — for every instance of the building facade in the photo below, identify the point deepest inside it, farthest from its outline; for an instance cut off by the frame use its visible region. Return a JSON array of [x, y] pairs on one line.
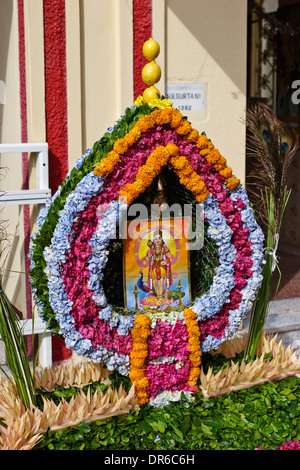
[[69, 69]]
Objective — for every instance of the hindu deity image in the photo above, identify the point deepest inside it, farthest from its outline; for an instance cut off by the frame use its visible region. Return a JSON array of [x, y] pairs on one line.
[[157, 266], [160, 265]]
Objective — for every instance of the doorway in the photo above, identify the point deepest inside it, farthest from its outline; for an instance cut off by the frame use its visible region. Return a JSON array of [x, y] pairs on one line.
[[273, 67]]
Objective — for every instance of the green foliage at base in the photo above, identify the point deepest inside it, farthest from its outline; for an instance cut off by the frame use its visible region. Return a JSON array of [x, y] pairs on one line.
[[265, 415]]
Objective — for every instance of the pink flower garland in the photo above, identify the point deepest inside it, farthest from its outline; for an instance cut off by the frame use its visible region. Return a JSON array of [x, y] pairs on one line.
[[167, 377], [168, 341]]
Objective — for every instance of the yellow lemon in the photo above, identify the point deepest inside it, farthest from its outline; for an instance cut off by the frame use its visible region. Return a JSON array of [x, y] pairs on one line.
[[151, 49], [150, 94], [151, 73]]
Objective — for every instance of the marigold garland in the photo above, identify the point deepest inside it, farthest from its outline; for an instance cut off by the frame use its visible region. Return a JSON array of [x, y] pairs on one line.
[[157, 159], [138, 355], [174, 118], [140, 334], [194, 342]]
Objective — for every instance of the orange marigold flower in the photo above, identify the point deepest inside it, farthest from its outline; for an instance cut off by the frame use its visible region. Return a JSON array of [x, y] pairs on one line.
[[136, 133], [142, 320], [136, 374], [140, 335], [138, 356], [121, 146], [146, 179], [203, 142], [196, 359], [226, 173], [179, 162], [162, 116], [184, 128], [205, 152], [143, 400], [142, 397], [189, 314], [202, 197], [195, 347], [194, 372], [219, 166], [142, 383], [187, 171], [145, 123], [233, 183], [139, 186], [194, 344], [190, 186], [97, 171], [136, 362], [195, 334], [140, 346], [154, 156], [139, 353], [130, 139], [201, 185], [127, 198], [176, 119], [172, 150], [193, 136], [212, 156], [197, 185], [105, 167], [184, 181], [143, 171], [155, 167], [193, 326], [114, 156], [193, 383]]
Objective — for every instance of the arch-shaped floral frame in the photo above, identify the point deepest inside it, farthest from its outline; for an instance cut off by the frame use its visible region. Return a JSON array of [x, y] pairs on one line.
[[69, 251]]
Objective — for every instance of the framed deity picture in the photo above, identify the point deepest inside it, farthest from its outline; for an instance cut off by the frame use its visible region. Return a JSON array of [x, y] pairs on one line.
[[156, 265]]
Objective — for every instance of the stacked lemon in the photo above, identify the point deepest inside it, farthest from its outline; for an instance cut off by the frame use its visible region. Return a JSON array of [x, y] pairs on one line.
[[151, 73]]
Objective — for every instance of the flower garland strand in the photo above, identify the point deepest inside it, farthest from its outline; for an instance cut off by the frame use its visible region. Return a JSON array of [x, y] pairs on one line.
[[159, 158], [194, 342], [140, 334]]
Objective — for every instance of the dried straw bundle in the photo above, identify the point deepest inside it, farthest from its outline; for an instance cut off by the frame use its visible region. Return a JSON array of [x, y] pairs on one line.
[[282, 363]]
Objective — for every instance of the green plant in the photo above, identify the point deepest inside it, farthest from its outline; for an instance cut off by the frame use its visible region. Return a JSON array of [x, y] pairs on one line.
[[272, 146], [265, 415], [20, 373], [16, 353]]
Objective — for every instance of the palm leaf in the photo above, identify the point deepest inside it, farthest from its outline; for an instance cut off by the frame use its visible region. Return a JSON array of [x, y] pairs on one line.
[[271, 145]]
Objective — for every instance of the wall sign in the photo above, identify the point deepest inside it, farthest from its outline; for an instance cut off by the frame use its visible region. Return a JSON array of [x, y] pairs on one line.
[[187, 96]]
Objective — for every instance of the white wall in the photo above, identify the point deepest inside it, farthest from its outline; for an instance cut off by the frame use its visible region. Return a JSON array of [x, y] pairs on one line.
[[11, 164], [99, 69], [206, 41]]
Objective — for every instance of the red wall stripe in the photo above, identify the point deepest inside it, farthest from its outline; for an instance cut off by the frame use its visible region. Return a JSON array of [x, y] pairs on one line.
[[56, 106], [56, 90], [142, 31], [24, 139]]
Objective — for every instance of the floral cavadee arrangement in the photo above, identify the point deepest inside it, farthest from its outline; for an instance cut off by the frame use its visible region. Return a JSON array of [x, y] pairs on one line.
[[160, 352]]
